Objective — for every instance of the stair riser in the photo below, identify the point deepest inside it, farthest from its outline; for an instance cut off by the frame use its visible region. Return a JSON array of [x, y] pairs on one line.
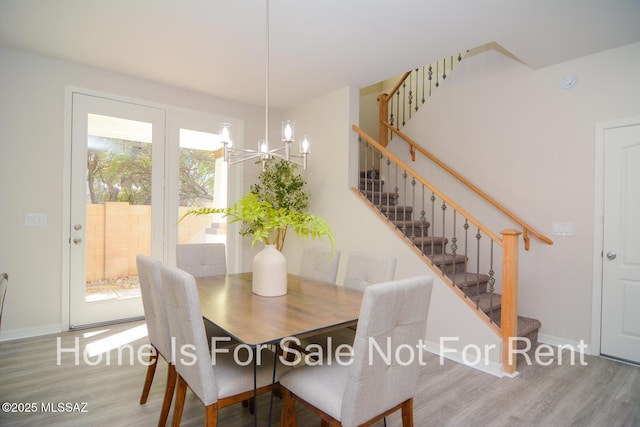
[[382, 199], [473, 289], [415, 231], [428, 249], [449, 269], [399, 215], [371, 185]]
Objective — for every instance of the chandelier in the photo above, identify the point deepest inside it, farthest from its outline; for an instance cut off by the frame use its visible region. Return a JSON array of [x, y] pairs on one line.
[[233, 155]]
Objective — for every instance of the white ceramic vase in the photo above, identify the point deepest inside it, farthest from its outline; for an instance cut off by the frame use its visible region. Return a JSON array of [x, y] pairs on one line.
[[269, 272]]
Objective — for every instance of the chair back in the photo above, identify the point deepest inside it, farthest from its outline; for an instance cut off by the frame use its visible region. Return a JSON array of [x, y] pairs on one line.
[[153, 302], [192, 358], [4, 283], [202, 259], [394, 314], [364, 269], [320, 264]]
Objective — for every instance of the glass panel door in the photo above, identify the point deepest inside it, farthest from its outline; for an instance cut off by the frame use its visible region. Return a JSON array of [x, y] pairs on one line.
[[116, 205], [202, 183]]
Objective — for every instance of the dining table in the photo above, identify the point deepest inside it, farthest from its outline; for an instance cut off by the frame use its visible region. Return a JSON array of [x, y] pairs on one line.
[[309, 307]]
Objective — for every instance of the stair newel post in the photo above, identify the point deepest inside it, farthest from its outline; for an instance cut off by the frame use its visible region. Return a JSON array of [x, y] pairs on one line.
[[383, 108], [509, 309]]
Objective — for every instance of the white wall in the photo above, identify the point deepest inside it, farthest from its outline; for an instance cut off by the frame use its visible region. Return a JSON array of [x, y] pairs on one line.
[[530, 144], [32, 121]]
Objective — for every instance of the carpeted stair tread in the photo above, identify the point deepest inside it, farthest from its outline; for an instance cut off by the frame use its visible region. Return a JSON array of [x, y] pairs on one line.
[[446, 259], [526, 326], [412, 227], [476, 282], [490, 304]]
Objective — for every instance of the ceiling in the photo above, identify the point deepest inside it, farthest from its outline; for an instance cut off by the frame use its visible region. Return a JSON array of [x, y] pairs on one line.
[[316, 46]]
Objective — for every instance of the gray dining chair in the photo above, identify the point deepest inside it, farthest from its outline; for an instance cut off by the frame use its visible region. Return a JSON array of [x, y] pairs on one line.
[[364, 269], [320, 263], [4, 283], [394, 315], [217, 385], [157, 330], [202, 259]]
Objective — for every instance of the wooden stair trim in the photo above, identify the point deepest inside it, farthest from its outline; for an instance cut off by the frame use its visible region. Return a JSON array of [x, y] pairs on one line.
[[482, 315]]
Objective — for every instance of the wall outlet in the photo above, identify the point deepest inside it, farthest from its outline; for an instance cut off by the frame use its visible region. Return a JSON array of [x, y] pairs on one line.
[[35, 219], [562, 229]]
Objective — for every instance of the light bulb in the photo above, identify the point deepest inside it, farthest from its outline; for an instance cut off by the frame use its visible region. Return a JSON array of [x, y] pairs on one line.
[[288, 128], [305, 144]]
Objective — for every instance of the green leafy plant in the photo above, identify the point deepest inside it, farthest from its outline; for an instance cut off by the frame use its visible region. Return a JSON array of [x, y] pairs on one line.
[[276, 203]]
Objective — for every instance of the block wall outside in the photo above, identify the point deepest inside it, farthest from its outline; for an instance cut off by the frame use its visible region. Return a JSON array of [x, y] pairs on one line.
[[116, 232]]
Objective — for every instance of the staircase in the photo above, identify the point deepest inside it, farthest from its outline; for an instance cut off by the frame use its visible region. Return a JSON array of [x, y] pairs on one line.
[[460, 249], [477, 287]]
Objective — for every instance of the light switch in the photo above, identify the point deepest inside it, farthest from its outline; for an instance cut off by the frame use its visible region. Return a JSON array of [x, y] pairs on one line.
[[562, 229], [35, 219]]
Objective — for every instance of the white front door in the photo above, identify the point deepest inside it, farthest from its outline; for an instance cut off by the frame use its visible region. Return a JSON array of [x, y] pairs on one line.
[[620, 317], [117, 205]]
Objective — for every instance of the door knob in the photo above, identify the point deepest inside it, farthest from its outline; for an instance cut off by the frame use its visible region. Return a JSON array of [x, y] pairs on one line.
[[77, 241], [611, 255]]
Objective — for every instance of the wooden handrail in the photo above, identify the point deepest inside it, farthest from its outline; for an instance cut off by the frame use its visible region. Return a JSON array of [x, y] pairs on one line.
[[424, 182], [526, 228], [397, 86]]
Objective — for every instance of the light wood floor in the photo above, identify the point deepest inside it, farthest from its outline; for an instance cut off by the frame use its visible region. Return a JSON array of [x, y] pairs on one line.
[[604, 393]]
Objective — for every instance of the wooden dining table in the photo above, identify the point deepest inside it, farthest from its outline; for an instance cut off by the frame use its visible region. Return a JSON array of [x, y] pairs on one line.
[[309, 307]]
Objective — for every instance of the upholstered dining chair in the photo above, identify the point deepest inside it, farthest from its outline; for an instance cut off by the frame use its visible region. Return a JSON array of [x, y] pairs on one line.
[[394, 315], [218, 384], [4, 283], [320, 263], [157, 330], [363, 269], [202, 259]]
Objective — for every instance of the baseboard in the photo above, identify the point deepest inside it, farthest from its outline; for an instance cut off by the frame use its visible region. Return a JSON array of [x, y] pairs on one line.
[[486, 366], [17, 334], [563, 342]]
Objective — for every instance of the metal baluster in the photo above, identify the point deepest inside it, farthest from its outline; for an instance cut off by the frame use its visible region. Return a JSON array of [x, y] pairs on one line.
[[466, 251], [413, 205], [433, 216], [366, 165], [491, 282], [404, 101], [430, 78], [444, 68], [397, 110], [444, 219], [404, 206], [437, 74], [397, 193], [478, 237], [454, 240], [391, 116], [423, 85], [410, 97], [417, 86], [423, 221], [388, 211]]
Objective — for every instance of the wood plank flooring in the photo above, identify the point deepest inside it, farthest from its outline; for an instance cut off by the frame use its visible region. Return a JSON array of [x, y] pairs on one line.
[[603, 393]]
